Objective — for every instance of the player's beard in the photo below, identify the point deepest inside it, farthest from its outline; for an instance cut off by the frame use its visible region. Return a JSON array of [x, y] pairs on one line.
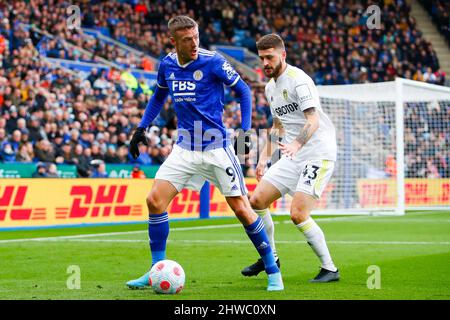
[[275, 71]]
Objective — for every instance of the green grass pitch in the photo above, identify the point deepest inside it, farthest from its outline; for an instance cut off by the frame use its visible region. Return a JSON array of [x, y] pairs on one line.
[[411, 251]]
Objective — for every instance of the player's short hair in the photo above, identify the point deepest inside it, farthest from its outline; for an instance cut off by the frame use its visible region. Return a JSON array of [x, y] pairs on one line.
[[270, 41], [181, 23]]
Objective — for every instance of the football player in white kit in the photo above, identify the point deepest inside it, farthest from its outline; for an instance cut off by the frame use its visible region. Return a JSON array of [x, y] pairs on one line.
[[308, 153]]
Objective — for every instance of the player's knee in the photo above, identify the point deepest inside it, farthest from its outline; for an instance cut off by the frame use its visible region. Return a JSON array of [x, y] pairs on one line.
[[257, 202], [299, 214], [155, 204]]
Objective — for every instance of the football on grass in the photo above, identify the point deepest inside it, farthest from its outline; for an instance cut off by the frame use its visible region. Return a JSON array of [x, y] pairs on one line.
[[167, 276]]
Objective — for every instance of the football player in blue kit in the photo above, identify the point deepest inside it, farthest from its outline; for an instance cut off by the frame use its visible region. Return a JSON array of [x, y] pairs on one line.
[[195, 79]]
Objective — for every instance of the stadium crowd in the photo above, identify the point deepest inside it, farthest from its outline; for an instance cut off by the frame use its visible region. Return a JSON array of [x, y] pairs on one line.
[[439, 11], [50, 115]]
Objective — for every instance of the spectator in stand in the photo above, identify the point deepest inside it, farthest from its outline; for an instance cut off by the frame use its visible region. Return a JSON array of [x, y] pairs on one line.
[[41, 171], [439, 10], [137, 173], [98, 169], [52, 171], [23, 154]]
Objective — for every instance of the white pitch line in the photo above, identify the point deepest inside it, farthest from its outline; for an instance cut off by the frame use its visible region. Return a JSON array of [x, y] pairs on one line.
[[194, 241], [90, 235], [234, 225]]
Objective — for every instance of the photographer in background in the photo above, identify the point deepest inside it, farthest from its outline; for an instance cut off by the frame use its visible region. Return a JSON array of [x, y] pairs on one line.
[[98, 169]]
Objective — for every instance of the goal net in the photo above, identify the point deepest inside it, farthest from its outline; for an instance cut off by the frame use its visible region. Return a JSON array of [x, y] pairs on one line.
[[393, 148]]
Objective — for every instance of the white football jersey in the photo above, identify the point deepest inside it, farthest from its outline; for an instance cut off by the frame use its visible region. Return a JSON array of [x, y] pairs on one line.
[[292, 93]]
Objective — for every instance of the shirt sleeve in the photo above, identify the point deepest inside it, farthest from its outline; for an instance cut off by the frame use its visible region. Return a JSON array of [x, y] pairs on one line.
[[305, 96], [225, 72], [161, 78]]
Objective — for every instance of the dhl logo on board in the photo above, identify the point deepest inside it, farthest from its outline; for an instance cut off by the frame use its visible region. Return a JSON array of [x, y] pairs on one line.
[[418, 192], [102, 201], [86, 201], [11, 204], [41, 202]]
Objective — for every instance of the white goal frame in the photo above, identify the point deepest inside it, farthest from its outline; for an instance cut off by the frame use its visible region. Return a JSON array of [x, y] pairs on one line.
[[398, 92]]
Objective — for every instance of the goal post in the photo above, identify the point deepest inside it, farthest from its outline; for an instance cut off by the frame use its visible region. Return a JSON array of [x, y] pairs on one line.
[[393, 148]]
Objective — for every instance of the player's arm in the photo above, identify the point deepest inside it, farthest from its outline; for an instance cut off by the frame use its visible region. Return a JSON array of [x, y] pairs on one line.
[[245, 96], [273, 134], [153, 108], [226, 74], [311, 126], [243, 143]]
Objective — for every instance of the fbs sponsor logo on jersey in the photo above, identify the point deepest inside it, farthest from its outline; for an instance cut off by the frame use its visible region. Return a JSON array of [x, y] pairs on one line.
[[291, 107], [183, 86], [183, 91]]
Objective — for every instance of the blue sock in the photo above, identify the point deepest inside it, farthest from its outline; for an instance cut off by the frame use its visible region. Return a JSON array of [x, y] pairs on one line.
[[158, 231], [258, 236]]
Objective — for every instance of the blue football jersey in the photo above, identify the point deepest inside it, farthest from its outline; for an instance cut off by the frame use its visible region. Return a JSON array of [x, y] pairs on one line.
[[197, 91]]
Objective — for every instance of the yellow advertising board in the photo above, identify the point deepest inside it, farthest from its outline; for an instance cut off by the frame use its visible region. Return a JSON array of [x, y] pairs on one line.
[[418, 192], [53, 202], [58, 202]]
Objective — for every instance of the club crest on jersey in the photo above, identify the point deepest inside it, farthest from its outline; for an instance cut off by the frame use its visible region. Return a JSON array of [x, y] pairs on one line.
[[285, 94], [198, 75]]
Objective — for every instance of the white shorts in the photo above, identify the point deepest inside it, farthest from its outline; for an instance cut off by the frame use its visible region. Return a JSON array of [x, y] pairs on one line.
[[290, 176], [189, 169]]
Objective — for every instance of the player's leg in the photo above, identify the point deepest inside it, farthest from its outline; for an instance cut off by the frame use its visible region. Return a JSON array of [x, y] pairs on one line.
[[157, 200], [278, 180], [312, 182], [170, 179], [264, 194], [158, 226], [222, 168], [254, 227]]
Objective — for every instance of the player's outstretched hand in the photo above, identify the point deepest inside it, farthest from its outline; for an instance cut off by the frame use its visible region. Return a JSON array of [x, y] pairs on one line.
[[243, 142], [260, 168], [290, 149], [138, 136]]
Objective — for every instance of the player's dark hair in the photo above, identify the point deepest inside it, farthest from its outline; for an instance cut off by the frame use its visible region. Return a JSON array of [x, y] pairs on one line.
[[270, 41], [181, 23]]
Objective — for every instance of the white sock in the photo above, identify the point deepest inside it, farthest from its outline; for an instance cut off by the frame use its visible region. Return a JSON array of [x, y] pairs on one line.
[[268, 226], [316, 239]]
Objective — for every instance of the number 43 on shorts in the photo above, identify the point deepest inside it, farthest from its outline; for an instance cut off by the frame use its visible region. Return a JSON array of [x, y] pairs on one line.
[[312, 169], [315, 176]]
